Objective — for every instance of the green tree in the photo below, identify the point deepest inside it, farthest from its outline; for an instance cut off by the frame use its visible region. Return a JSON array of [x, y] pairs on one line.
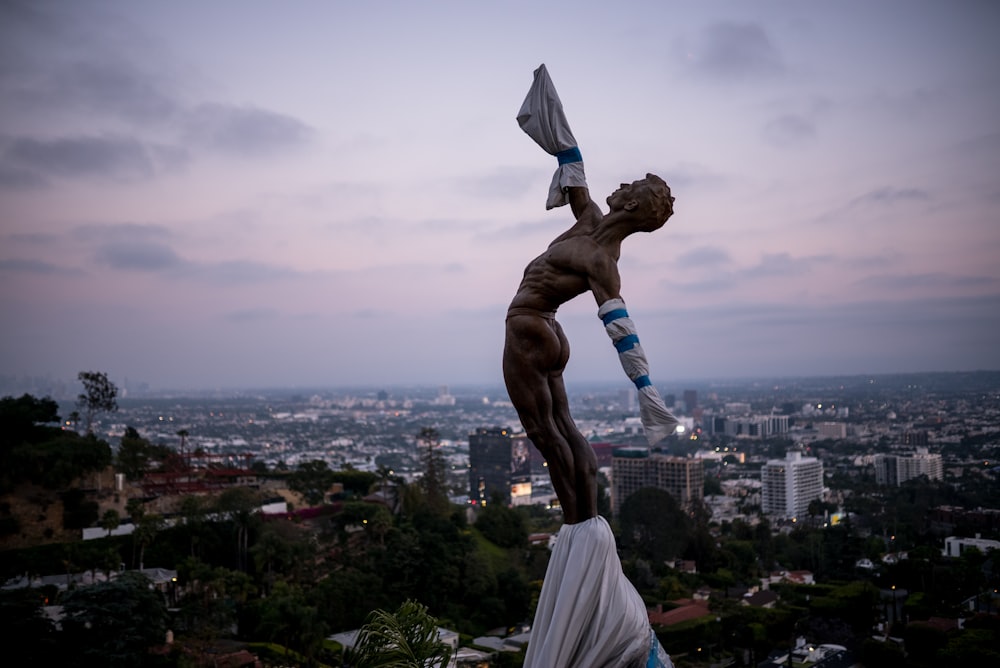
[[114, 623], [99, 396], [312, 480], [145, 533], [110, 520], [502, 525], [434, 482], [240, 505], [407, 638], [654, 536]]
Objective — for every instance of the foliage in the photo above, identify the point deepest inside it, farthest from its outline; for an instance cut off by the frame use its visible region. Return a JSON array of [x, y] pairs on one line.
[[407, 638], [136, 454], [22, 618], [99, 396], [78, 512], [33, 450], [653, 526], [504, 526], [312, 480], [114, 623], [434, 481]]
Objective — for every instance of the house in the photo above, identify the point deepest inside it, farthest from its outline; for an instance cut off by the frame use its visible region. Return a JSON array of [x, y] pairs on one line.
[[762, 599]]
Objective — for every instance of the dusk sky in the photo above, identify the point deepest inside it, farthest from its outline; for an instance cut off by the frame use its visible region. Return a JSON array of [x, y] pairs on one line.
[[234, 194]]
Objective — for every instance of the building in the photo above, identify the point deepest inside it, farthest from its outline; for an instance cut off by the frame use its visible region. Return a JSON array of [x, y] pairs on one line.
[[690, 401], [634, 468], [789, 485], [954, 546], [894, 470], [836, 430], [499, 465]]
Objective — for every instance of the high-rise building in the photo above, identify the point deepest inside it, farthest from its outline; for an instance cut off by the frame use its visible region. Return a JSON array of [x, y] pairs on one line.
[[633, 469], [499, 465], [788, 485], [690, 400], [894, 470]]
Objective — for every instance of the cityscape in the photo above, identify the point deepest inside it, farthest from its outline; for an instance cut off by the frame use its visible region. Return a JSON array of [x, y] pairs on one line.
[[897, 471]]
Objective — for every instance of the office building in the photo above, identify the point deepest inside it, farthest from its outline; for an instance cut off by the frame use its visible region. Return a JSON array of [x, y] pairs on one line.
[[499, 465], [894, 470], [633, 469], [788, 485]]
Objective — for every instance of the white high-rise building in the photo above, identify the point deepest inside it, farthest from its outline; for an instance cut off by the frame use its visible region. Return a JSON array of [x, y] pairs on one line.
[[788, 485]]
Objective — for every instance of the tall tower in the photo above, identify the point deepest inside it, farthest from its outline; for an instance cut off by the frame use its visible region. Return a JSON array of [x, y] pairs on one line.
[[788, 485], [494, 458], [690, 401]]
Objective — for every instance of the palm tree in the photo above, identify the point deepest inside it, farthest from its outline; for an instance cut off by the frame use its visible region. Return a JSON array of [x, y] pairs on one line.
[[407, 638], [110, 520]]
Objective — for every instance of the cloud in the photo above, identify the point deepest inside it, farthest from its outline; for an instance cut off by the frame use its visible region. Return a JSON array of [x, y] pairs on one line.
[[107, 156], [29, 266], [789, 130], [927, 281], [243, 131], [783, 264], [113, 87], [120, 232], [18, 178], [889, 195], [252, 315], [705, 257], [139, 256], [730, 51]]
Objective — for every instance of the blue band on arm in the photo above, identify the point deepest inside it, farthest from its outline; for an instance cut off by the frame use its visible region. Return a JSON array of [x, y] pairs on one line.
[[611, 316], [641, 382], [627, 343], [569, 155]]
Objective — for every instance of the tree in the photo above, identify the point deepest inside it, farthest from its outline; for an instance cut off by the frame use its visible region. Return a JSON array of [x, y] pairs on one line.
[[114, 623], [312, 480], [110, 520], [654, 536], [99, 396], [133, 454], [145, 533], [240, 505], [434, 481], [407, 638]]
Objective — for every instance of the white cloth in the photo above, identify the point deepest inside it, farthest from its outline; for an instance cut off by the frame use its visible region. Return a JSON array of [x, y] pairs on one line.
[[589, 615], [657, 421], [542, 118]]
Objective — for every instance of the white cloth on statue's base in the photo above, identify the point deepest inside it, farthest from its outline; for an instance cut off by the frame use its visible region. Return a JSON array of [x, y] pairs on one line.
[[589, 615]]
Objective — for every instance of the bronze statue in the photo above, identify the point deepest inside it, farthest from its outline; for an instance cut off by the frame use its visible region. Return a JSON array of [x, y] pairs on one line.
[[588, 614], [584, 258]]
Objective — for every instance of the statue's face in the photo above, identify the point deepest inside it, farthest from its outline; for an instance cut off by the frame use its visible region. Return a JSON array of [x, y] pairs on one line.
[[638, 196]]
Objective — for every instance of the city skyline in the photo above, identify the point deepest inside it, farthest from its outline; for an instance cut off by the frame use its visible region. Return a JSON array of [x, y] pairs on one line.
[[334, 195]]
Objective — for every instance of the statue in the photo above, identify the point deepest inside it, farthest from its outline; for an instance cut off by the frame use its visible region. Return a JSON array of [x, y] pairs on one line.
[[588, 615]]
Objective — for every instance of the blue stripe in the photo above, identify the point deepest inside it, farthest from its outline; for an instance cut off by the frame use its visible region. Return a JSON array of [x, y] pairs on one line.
[[569, 155], [611, 316], [641, 382], [627, 343]]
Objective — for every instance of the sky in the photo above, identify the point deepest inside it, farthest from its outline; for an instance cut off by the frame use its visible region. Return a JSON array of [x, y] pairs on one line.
[[263, 194]]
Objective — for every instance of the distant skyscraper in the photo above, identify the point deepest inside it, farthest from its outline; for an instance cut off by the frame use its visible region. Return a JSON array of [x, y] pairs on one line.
[[690, 400], [499, 465], [633, 469], [788, 485]]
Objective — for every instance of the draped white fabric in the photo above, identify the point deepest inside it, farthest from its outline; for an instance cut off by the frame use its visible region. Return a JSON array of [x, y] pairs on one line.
[[542, 118], [589, 615]]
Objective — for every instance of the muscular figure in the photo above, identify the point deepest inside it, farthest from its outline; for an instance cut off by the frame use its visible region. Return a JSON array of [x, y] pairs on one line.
[[536, 351]]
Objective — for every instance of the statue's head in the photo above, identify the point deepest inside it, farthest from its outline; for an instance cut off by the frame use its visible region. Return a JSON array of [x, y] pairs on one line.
[[648, 200]]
